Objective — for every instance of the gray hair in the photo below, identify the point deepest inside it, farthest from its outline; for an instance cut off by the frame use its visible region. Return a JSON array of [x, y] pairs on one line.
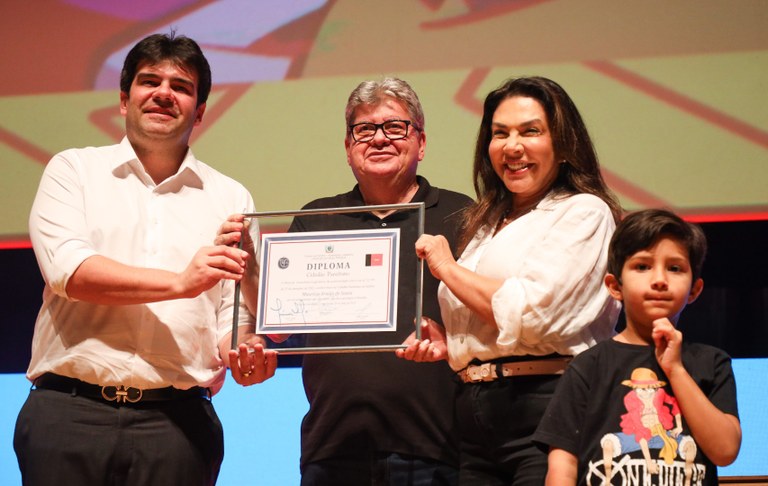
[[372, 92]]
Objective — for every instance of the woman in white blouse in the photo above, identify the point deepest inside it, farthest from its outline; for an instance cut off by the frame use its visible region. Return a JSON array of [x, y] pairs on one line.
[[527, 293]]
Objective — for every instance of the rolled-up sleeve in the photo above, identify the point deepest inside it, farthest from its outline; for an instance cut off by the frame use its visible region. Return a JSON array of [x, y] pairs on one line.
[[558, 290], [57, 222]]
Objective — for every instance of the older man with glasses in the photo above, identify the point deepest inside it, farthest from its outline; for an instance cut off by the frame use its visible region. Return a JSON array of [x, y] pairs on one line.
[[373, 418]]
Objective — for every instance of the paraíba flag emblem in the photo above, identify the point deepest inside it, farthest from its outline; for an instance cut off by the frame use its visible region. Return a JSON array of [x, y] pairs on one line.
[[374, 260]]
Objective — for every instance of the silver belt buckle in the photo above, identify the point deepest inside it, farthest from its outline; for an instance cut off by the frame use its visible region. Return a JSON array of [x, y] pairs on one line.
[[121, 394], [483, 372]]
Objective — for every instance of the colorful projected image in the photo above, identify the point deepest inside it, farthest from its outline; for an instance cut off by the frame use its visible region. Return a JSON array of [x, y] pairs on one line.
[[677, 107], [673, 94]]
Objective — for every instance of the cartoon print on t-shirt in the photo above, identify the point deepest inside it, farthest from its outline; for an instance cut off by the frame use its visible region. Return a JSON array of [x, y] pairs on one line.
[[653, 422]]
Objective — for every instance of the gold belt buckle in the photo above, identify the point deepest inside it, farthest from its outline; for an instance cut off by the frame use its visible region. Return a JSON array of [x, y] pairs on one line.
[[483, 372], [121, 394]]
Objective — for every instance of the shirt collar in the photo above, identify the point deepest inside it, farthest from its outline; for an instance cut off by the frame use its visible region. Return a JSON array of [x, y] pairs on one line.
[[124, 154], [424, 194], [188, 173], [551, 199]]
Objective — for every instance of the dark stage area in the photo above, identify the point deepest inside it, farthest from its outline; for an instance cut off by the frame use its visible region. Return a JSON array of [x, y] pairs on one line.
[[732, 312]]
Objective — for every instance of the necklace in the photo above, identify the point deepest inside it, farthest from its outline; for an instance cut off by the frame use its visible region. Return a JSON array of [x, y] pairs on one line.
[[506, 218], [510, 215]]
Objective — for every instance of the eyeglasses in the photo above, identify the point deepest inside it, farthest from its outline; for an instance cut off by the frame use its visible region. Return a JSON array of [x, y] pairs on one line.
[[392, 129]]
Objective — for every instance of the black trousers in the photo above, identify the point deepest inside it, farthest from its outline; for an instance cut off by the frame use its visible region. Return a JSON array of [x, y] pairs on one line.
[[72, 440], [496, 421], [382, 469]]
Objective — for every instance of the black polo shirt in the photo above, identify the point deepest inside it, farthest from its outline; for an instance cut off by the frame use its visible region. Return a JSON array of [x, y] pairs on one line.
[[361, 404]]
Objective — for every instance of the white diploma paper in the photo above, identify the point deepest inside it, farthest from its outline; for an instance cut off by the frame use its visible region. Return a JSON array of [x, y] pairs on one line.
[[328, 281]]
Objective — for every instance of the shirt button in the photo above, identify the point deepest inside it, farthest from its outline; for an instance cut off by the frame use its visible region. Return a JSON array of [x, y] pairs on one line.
[[383, 225]]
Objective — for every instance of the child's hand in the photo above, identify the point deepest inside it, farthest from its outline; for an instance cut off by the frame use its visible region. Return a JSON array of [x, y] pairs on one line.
[[668, 341]]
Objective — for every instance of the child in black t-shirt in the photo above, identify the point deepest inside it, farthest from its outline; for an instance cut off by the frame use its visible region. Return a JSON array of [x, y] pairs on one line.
[[644, 407]]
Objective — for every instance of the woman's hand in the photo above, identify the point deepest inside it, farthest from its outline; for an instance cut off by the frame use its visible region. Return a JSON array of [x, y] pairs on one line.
[[437, 253], [474, 290]]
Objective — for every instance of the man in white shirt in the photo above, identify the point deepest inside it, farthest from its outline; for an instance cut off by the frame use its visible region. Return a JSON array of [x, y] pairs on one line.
[[133, 337]]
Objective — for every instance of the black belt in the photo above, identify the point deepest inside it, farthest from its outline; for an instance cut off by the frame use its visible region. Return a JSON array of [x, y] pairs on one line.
[[116, 393]]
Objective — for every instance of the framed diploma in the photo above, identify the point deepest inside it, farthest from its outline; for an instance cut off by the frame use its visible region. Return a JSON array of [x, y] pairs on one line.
[[339, 281], [331, 281]]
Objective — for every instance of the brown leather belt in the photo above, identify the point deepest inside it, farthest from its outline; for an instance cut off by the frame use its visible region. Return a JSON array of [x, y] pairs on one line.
[[494, 371], [119, 394]]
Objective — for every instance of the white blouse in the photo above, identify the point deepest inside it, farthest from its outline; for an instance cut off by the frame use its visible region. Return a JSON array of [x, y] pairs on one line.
[[553, 261]]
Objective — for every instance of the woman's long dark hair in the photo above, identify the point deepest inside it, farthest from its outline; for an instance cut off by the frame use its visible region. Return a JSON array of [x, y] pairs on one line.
[[580, 173]]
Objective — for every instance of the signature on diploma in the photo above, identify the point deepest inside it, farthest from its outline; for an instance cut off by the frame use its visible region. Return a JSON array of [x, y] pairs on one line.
[[294, 313]]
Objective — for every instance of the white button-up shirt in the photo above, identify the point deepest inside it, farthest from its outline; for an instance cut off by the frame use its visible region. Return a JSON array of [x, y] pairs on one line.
[[100, 201], [553, 262]]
